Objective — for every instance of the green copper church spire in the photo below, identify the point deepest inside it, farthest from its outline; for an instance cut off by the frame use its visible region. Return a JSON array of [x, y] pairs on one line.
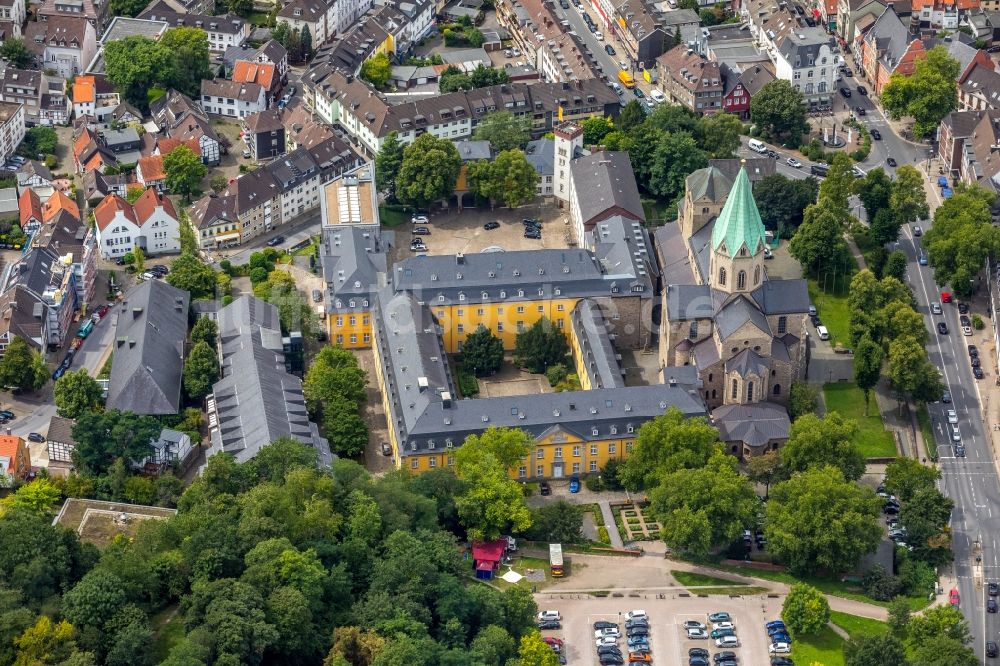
[[739, 222]]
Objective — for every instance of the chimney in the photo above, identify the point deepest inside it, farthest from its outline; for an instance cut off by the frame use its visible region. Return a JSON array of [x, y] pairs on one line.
[[445, 400], [460, 258], [8, 432]]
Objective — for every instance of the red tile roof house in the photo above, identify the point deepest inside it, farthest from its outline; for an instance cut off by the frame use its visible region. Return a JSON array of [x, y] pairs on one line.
[[151, 224], [149, 172], [15, 462]]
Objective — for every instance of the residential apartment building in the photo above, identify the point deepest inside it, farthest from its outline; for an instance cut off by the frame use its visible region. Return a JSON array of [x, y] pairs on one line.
[[94, 96], [942, 14], [180, 118], [740, 87], [15, 460], [12, 128], [263, 74], [94, 11], [888, 46], [980, 162], [23, 86], [66, 44], [215, 222], [546, 40], [151, 224], [688, 78], [223, 31], [232, 99], [956, 128], [541, 155], [76, 244], [368, 118], [979, 88], [319, 17], [298, 178], [51, 287], [807, 58], [850, 12], [12, 16], [640, 29], [264, 134]]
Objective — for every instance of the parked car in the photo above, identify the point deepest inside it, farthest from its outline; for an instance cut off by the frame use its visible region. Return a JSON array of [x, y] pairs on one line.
[[610, 50], [276, 241], [419, 219], [719, 633], [386, 449], [727, 642], [697, 633], [991, 649], [862, 90], [693, 624], [246, 153], [720, 616], [779, 648], [549, 615], [544, 488], [846, 92], [36, 437], [607, 631], [420, 231], [978, 373], [574, 484], [490, 226], [698, 652], [993, 589], [317, 296]]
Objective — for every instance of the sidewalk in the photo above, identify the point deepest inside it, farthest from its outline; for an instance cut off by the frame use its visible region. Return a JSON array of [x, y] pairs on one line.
[[609, 523]]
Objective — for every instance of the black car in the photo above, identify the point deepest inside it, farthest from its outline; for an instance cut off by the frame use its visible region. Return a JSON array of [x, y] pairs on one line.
[[637, 631], [420, 231], [537, 235], [991, 649], [862, 90], [973, 350], [891, 509], [564, 4], [848, 73], [978, 373], [846, 92], [959, 451], [993, 589], [609, 649], [860, 110], [975, 362], [991, 605], [697, 652], [772, 154], [724, 656], [890, 161], [600, 624], [550, 624], [781, 661], [698, 661], [610, 50], [490, 226], [876, 134], [942, 328], [159, 269], [544, 488], [963, 308], [35, 437], [816, 321], [611, 660]]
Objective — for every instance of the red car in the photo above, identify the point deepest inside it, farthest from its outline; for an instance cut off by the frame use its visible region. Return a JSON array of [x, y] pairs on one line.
[[103, 310], [953, 597], [554, 643], [945, 297]]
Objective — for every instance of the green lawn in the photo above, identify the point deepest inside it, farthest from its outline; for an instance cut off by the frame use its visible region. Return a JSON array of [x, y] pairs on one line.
[[825, 648], [168, 629], [831, 586], [849, 401], [393, 216], [696, 579], [927, 431], [858, 626], [832, 309], [258, 19]]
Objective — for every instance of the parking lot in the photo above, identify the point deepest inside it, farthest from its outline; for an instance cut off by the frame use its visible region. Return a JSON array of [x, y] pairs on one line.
[[668, 640], [454, 232]]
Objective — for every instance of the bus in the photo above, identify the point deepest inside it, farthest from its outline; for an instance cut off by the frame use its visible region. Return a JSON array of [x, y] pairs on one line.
[[85, 330], [556, 560]]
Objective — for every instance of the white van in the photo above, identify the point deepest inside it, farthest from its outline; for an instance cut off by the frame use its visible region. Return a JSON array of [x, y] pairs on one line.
[[658, 96], [757, 146], [823, 333]]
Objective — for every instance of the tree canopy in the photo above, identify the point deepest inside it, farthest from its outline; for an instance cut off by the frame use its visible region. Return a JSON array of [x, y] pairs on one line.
[[22, 367], [503, 130], [778, 111], [927, 95], [961, 238], [509, 178], [184, 170], [666, 444], [429, 170], [76, 393], [482, 352], [540, 346]]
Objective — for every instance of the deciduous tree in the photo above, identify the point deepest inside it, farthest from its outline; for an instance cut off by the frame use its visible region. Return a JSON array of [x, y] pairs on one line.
[[187, 272], [715, 496], [815, 442], [908, 199], [557, 522], [201, 370], [135, 64], [962, 237], [345, 428], [429, 171], [777, 109], [782, 200], [492, 502], [388, 163], [818, 521], [867, 366], [927, 95], [595, 129], [103, 437], [189, 47], [533, 651], [668, 443], [76, 393], [16, 53], [677, 155], [205, 330], [819, 240], [184, 171], [377, 70], [509, 178], [874, 651], [806, 610], [503, 130], [21, 367], [720, 134], [540, 346]]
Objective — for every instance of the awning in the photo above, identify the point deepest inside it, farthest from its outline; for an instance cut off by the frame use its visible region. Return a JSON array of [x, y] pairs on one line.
[[230, 236]]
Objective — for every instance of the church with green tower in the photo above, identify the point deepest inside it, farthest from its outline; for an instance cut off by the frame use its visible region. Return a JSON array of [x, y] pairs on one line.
[[744, 332]]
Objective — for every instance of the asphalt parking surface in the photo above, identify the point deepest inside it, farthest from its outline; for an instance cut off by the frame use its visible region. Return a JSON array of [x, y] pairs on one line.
[[668, 639]]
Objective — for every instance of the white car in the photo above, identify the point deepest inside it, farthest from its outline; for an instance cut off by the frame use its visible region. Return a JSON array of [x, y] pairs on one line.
[[607, 631], [779, 648], [723, 625], [549, 615], [658, 97], [956, 436], [935, 308], [633, 614], [693, 624], [952, 416], [623, 65], [727, 642], [792, 162], [419, 219], [697, 633], [606, 640]]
